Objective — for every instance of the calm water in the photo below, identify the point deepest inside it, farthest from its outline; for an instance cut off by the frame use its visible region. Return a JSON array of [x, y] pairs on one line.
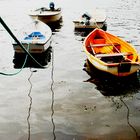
[[63, 101]]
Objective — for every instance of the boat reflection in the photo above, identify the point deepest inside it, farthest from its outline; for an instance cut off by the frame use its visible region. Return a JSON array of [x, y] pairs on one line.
[[85, 31], [82, 33], [110, 85], [56, 26], [42, 58]]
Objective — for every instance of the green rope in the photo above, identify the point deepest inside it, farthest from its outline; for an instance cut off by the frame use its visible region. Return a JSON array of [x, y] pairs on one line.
[[19, 43], [12, 74]]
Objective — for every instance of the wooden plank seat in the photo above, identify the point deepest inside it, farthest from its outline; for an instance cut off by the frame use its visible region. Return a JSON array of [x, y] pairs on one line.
[[103, 45], [112, 47], [113, 55]]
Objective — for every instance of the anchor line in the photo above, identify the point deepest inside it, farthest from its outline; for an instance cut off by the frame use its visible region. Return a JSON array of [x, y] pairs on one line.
[[30, 105], [128, 121], [52, 104]]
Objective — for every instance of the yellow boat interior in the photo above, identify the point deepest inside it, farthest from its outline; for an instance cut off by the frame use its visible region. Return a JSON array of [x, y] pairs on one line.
[[109, 48]]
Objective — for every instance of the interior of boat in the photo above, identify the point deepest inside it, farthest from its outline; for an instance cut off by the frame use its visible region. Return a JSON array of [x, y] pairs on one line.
[[109, 52]]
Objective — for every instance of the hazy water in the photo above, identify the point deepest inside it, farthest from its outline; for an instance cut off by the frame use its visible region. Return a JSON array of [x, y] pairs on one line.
[[64, 102]]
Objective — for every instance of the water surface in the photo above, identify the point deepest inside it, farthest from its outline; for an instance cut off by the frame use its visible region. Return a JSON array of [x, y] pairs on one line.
[[63, 101]]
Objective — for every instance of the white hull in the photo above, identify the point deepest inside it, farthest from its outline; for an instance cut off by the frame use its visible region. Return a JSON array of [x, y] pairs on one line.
[[80, 25], [32, 48], [35, 38], [46, 16]]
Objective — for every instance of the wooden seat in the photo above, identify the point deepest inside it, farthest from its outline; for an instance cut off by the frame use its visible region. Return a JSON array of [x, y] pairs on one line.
[[105, 48], [97, 41], [103, 45], [113, 55]]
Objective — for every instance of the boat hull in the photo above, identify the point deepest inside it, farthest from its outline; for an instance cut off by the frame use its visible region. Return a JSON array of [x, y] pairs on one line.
[[79, 25], [47, 16], [123, 69], [32, 48]]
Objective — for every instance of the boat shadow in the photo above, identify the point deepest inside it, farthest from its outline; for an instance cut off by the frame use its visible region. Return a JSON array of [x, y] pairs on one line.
[[21, 60], [83, 32], [109, 85], [56, 26]]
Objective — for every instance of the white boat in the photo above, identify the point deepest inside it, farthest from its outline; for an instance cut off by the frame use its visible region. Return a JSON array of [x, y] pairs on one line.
[[35, 37], [97, 19], [47, 15]]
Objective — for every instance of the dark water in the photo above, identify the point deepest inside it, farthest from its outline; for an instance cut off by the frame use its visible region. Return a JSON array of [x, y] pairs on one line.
[[63, 101]]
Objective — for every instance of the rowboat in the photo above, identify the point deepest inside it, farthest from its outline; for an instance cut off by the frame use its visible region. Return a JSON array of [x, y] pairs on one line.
[[35, 37], [111, 54], [47, 15], [97, 19]]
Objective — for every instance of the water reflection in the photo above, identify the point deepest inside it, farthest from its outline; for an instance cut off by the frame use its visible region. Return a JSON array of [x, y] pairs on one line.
[[110, 85], [85, 31], [82, 33], [53, 95], [56, 26], [43, 58], [30, 106]]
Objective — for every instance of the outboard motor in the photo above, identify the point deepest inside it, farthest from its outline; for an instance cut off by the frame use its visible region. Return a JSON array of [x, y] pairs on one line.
[[87, 16], [52, 5], [86, 19]]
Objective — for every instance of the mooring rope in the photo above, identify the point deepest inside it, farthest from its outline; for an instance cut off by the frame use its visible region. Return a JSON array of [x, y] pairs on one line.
[[12, 74], [106, 35], [128, 112], [98, 27], [30, 105], [52, 104]]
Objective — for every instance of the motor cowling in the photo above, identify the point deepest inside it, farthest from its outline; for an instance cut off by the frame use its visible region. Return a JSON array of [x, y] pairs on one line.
[[52, 5]]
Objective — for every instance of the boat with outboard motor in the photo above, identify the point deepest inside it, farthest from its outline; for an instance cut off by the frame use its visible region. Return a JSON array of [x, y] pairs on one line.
[[95, 19], [47, 15]]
